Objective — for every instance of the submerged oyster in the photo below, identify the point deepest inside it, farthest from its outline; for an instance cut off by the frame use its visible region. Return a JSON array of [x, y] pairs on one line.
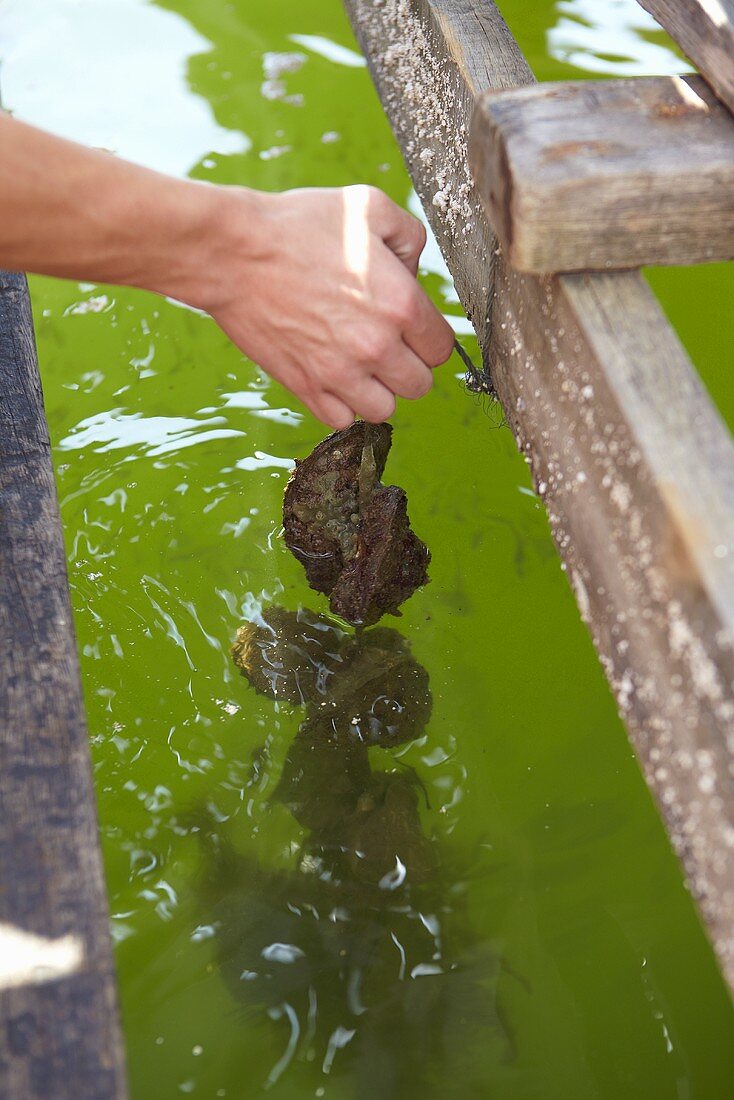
[[359, 691], [366, 689], [350, 532], [289, 655]]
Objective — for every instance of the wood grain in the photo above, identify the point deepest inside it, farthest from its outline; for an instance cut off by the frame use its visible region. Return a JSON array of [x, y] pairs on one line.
[[610, 174], [704, 29], [430, 61], [627, 452], [59, 1031]]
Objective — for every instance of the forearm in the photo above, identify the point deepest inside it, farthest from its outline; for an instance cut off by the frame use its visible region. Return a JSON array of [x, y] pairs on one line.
[[81, 213], [317, 286]]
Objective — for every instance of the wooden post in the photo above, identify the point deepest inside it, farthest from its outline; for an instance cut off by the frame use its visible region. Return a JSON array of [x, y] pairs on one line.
[[705, 31], [627, 452], [607, 174], [59, 1031], [428, 83]]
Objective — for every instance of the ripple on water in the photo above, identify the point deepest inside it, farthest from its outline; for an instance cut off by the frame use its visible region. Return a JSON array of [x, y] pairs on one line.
[[155, 435]]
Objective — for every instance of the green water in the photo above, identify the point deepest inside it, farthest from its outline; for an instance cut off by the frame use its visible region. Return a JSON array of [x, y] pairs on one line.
[[543, 944]]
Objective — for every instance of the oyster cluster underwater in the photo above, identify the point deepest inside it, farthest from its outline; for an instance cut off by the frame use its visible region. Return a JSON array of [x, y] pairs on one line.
[[360, 950]]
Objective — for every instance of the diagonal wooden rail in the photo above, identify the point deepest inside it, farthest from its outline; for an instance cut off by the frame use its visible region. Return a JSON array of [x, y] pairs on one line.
[[705, 31], [630, 457], [59, 1031]]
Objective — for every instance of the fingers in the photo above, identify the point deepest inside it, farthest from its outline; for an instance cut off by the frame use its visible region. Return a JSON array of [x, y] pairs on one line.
[[402, 233], [373, 401], [365, 331], [426, 331], [330, 409], [373, 397], [423, 328], [420, 325], [405, 374]]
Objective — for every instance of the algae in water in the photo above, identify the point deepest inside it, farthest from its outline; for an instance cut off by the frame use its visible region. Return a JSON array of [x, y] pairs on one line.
[[381, 956]]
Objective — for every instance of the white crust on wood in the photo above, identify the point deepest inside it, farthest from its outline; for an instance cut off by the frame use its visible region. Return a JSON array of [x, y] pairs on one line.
[[629, 455]]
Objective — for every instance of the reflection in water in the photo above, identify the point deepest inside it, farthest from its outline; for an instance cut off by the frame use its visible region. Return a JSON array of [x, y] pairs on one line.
[[609, 39], [137, 54], [170, 551], [329, 49], [365, 943], [114, 429]]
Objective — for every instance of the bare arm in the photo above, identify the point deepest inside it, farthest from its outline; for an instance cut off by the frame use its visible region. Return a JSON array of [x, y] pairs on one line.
[[317, 286]]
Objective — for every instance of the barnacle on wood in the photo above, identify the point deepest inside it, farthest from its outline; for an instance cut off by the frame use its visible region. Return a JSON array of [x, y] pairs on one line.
[[350, 532]]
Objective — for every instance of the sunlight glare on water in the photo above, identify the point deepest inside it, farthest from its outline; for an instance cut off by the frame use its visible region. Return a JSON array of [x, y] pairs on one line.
[[419, 863], [137, 53], [611, 39]]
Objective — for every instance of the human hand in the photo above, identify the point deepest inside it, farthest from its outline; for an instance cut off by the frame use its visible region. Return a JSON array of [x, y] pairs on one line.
[[319, 288]]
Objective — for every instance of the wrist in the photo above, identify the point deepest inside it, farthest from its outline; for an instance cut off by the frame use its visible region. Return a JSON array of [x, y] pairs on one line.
[[215, 233]]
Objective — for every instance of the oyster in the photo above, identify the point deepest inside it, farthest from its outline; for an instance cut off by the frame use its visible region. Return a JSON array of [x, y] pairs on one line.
[[366, 689], [350, 532]]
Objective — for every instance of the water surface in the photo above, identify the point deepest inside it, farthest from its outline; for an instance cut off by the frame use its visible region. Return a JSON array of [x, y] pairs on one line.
[[531, 936]]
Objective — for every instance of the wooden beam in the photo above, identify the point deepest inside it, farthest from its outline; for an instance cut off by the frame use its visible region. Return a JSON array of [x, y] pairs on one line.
[[428, 81], [632, 461], [587, 176], [59, 1031], [704, 29]]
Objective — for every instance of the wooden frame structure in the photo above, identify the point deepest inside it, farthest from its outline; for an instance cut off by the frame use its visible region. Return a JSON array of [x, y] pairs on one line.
[[629, 455], [627, 451], [59, 1031], [592, 175], [705, 31]]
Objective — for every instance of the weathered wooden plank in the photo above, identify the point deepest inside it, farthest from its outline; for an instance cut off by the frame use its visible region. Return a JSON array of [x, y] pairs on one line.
[[59, 1032], [704, 29], [587, 176], [630, 457]]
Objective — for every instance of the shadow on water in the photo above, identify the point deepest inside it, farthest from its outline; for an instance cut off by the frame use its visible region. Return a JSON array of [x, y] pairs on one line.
[[363, 949]]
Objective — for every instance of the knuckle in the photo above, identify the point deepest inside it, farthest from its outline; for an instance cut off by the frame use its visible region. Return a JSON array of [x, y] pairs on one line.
[[420, 233], [306, 389], [320, 377], [377, 200], [359, 345], [373, 346], [406, 307], [443, 346]]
